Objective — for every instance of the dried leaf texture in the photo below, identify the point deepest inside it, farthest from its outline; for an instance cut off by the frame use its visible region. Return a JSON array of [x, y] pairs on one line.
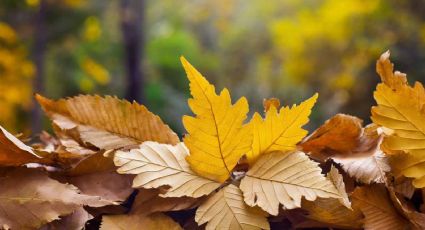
[[107, 122], [366, 169], [226, 210], [335, 212], [158, 165], [30, 199], [74, 221], [14, 152], [156, 221], [279, 131], [374, 202], [267, 103], [284, 178], [216, 136], [401, 109], [148, 201], [338, 135]]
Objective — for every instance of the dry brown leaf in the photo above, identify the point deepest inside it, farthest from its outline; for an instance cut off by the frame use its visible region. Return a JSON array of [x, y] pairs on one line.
[[274, 180], [271, 102], [155, 221], [158, 165], [338, 135], [74, 221], [416, 219], [376, 205], [226, 210], [14, 152], [366, 169], [107, 122], [30, 199], [404, 187], [148, 201], [93, 164]]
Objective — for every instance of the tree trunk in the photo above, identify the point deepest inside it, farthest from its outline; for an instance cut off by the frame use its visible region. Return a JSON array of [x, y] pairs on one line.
[[38, 56], [132, 15]]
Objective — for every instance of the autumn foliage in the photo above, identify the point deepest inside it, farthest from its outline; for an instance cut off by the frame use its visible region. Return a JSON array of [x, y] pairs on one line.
[[113, 164]]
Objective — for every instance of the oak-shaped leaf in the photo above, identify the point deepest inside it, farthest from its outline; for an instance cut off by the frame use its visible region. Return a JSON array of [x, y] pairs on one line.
[[227, 210], [284, 178], [216, 137], [400, 107], [30, 199], [157, 165], [280, 130], [107, 122]]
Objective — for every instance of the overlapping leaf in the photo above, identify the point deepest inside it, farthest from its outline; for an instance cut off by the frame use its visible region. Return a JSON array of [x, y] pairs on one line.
[[158, 165], [401, 109], [226, 210], [284, 178], [216, 136], [14, 152], [107, 122], [279, 131], [30, 199]]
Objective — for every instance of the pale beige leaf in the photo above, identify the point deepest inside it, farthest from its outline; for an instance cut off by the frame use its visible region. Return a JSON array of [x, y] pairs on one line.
[[284, 178], [336, 178], [30, 199], [366, 169], [107, 122], [14, 152], [155, 221], [158, 165], [226, 210], [374, 202], [148, 201]]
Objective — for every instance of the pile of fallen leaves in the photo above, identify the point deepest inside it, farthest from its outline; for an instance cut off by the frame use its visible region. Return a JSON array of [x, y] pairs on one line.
[[113, 164]]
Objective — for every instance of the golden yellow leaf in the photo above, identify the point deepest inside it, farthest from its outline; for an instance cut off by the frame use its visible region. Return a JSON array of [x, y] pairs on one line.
[[374, 202], [157, 221], [401, 109], [107, 122], [279, 131], [284, 178], [158, 165], [216, 136], [14, 152], [226, 210]]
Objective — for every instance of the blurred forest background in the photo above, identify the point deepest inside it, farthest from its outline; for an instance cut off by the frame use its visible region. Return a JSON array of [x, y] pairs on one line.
[[130, 48]]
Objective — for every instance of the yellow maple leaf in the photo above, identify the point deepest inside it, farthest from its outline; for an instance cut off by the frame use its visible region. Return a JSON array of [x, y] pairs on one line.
[[216, 136], [401, 109], [279, 131]]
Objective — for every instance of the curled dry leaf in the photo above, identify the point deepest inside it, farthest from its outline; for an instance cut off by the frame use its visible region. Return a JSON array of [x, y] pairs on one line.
[[366, 169], [284, 178], [401, 109], [14, 152], [30, 199], [416, 219], [376, 205], [226, 210], [279, 131], [107, 122], [148, 201], [267, 103], [158, 165], [216, 136], [155, 221], [338, 135]]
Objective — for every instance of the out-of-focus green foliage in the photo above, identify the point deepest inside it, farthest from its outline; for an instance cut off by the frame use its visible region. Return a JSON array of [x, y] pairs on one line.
[[288, 49]]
